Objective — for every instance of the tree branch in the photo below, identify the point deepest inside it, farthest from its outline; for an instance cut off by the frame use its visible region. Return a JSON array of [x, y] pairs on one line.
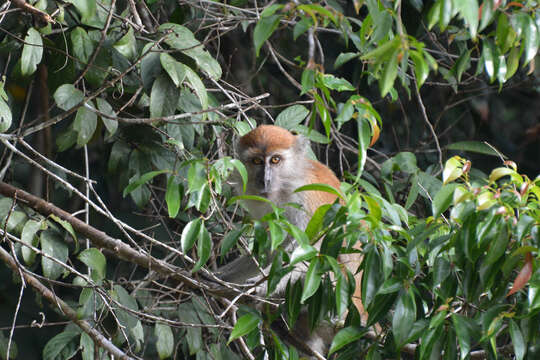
[[65, 308]]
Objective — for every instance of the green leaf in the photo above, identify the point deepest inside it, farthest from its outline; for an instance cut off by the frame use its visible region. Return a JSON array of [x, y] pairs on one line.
[[165, 340], [452, 169], [464, 330], [106, 108], [276, 235], [245, 324], [530, 36], [404, 317], [303, 252], [95, 260], [386, 82], [127, 45], [188, 313], [87, 9], [83, 46], [28, 236], [263, 30], [473, 146], [52, 245], [462, 64], [271, 10], [197, 86], [124, 298], [520, 347], [204, 247], [443, 199], [468, 9], [302, 26], [320, 187], [446, 13], [499, 172], [316, 222], [335, 83], [173, 197], [497, 247], [421, 68], [364, 137], [66, 225], [324, 114], [505, 35], [67, 96], [175, 69], [32, 52], [346, 336], [87, 345], [61, 346], [312, 280], [441, 270], [383, 51], [490, 56], [307, 81], [190, 234], [142, 180], [240, 167], [5, 112], [181, 38], [163, 90], [85, 125], [434, 14], [344, 58], [512, 63], [372, 276], [230, 240], [315, 8], [292, 116], [374, 208], [346, 113], [311, 134]]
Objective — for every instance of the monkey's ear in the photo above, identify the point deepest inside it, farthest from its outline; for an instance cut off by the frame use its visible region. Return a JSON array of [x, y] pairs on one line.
[[302, 144]]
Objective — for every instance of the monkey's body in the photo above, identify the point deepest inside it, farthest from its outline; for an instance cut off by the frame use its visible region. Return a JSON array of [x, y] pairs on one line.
[[277, 164]]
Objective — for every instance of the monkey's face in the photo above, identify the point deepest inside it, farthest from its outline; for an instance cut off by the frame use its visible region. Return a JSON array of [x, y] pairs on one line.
[[266, 173], [275, 162]]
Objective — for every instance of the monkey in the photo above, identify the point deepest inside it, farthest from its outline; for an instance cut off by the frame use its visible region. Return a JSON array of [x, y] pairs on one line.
[[277, 164]]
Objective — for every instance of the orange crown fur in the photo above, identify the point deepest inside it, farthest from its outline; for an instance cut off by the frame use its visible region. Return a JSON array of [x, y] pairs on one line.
[[268, 137]]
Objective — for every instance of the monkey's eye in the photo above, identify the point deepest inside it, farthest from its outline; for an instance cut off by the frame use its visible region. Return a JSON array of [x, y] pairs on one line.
[[257, 161], [275, 159]]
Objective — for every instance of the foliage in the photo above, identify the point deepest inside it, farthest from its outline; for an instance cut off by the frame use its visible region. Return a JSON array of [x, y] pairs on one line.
[[126, 112]]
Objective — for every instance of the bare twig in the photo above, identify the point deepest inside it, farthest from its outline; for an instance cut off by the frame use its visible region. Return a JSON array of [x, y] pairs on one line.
[[65, 308], [428, 123], [24, 6]]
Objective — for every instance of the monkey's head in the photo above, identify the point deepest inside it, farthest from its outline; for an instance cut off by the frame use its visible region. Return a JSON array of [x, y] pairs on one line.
[[275, 161]]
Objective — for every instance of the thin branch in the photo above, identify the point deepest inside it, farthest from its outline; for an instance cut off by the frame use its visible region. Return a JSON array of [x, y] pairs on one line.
[[428, 123], [24, 6], [64, 307]]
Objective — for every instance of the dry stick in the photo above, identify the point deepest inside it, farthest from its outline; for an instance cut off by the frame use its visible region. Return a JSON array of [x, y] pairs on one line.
[[101, 239], [426, 119], [117, 247], [171, 118], [66, 309], [24, 6]]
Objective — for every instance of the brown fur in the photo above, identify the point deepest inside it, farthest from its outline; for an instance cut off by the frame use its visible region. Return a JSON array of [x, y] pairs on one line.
[[268, 137], [320, 174]]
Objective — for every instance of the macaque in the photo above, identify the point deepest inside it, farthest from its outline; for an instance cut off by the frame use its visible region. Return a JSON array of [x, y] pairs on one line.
[[277, 164]]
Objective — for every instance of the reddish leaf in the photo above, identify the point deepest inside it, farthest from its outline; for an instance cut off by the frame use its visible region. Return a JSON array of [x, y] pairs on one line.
[[524, 275]]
